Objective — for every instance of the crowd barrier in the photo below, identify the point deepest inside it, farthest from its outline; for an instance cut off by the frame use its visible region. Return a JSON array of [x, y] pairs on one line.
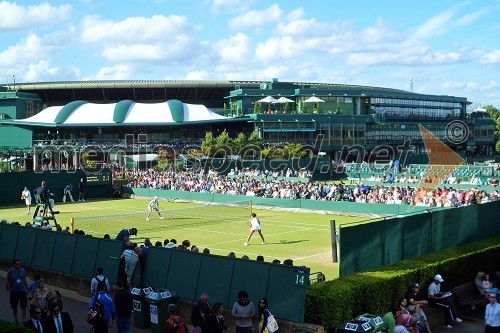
[[368, 246], [187, 274]]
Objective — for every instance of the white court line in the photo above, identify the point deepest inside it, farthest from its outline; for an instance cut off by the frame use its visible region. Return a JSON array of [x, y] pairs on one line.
[[314, 255]]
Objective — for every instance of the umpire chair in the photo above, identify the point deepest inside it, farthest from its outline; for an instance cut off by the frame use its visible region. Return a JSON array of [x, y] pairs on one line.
[[43, 213]]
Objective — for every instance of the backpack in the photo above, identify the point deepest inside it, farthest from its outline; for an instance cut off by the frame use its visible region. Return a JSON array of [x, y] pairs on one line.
[[104, 281], [95, 313], [178, 326]]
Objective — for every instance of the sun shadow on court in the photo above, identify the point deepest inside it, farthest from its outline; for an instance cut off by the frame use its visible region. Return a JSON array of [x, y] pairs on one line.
[[285, 242]]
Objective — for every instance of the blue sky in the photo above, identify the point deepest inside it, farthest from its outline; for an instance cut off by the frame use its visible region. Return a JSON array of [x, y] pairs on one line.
[[447, 47]]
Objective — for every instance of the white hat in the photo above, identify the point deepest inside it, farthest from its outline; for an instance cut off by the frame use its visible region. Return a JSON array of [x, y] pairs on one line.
[[438, 278], [155, 197]]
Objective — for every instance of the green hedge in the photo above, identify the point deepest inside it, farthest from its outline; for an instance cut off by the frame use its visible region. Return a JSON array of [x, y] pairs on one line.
[[334, 302], [6, 327]]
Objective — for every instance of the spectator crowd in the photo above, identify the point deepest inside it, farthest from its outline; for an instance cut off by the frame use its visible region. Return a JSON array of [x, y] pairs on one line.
[[288, 185]]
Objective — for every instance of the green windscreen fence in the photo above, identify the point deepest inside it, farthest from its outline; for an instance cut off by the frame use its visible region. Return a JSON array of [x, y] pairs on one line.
[[191, 274], [185, 273], [371, 245], [98, 184]]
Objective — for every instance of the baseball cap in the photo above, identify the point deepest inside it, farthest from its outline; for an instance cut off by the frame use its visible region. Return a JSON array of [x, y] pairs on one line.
[[155, 197], [415, 285], [438, 278]]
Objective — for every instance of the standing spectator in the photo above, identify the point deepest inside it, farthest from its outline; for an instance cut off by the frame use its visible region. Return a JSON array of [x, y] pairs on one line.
[[35, 323], [107, 306], [439, 300], [124, 306], [40, 297], [174, 322], [264, 313], [200, 312], [57, 321], [33, 285], [99, 277], [133, 269], [26, 196], [243, 311], [492, 315], [81, 188], [254, 224], [55, 297], [216, 322], [67, 192], [17, 286], [126, 233]]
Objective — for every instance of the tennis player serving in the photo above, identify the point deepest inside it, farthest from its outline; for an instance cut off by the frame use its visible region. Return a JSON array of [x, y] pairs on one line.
[[254, 224]]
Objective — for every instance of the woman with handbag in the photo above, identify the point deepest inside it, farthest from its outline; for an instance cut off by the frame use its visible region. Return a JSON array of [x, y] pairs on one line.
[[267, 323]]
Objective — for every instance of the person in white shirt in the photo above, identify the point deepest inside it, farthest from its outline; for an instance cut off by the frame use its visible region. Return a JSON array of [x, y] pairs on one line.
[[254, 226], [439, 300], [26, 196], [492, 315], [154, 206]]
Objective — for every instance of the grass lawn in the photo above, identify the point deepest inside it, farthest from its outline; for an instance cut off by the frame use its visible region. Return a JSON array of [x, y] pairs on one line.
[[303, 237]]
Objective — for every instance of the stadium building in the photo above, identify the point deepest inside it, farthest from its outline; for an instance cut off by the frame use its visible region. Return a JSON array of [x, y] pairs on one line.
[[179, 113]]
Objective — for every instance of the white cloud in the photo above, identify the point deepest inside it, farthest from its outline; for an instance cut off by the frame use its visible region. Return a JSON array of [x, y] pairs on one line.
[[15, 17], [133, 29], [257, 18], [476, 15], [233, 52], [198, 75], [492, 57], [276, 49], [39, 71], [117, 72], [134, 39], [28, 50], [228, 6], [438, 24]]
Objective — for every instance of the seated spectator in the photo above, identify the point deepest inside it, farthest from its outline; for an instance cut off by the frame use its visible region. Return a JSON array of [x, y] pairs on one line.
[[405, 319], [439, 300], [487, 285], [478, 282], [416, 302], [389, 321]]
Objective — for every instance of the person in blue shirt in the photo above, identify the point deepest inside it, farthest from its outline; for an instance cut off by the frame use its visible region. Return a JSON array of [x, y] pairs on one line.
[[109, 311], [17, 286]]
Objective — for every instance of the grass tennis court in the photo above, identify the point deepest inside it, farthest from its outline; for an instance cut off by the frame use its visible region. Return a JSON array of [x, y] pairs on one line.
[[303, 237]]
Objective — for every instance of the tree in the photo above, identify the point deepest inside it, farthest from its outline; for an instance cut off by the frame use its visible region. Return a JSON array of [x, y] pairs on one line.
[[257, 108], [223, 145], [495, 115], [208, 145], [239, 143]]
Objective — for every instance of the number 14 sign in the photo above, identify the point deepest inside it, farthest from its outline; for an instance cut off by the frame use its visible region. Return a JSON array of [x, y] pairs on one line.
[[301, 277]]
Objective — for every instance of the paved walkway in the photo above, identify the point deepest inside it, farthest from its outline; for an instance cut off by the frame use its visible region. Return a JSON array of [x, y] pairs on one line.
[[77, 306]]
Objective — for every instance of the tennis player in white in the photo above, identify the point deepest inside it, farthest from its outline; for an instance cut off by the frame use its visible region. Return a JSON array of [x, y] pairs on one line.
[[254, 224], [154, 206]]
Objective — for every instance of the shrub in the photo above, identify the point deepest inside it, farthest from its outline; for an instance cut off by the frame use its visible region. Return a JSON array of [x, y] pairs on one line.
[[334, 302]]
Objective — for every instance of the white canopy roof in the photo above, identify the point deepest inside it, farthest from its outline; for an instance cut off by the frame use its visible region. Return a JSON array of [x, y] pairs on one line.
[[102, 114]]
